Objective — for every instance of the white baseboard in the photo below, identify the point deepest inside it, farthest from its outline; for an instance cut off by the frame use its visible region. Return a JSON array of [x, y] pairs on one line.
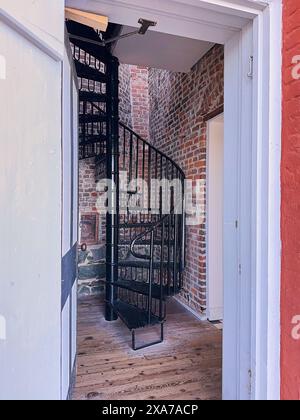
[[215, 314], [202, 317]]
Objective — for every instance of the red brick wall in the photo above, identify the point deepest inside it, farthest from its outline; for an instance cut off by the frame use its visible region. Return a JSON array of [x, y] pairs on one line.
[[140, 100], [87, 204], [88, 195], [87, 186], [178, 105], [290, 221], [125, 108]]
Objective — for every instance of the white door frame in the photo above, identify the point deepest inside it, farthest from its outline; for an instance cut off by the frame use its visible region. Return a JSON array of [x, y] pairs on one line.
[[253, 138], [214, 218]]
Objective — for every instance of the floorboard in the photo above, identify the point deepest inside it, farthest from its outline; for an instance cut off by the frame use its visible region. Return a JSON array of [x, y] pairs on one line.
[[187, 366]]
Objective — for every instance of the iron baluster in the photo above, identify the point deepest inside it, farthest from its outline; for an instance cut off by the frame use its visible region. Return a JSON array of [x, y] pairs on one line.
[[151, 277], [161, 269], [112, 162], [130, 156]]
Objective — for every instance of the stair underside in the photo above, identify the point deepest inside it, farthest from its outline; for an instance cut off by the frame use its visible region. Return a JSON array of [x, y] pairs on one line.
[[134, 317], [86, 72]]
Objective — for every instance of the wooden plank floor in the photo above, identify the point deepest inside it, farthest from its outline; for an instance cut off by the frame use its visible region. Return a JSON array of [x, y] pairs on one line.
[[186, 366]]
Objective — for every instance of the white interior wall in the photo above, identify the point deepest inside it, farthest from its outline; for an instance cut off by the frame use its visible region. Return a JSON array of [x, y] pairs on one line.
[[75, 112], [44, 19], [67, 158], [70, 219]]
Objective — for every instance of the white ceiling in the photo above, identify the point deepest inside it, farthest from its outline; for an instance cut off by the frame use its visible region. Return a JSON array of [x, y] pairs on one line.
[[203, 20], [160, 50], [186, 29]]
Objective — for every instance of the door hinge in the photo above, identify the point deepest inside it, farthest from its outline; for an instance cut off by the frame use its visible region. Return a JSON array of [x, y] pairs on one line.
[[240, 269], [250, 72]]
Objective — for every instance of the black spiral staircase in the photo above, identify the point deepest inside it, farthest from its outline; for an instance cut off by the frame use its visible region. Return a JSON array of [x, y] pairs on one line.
[[145, 231]]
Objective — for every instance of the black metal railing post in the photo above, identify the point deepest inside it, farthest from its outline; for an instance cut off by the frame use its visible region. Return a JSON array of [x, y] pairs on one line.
[[150, 276], [112, 173]]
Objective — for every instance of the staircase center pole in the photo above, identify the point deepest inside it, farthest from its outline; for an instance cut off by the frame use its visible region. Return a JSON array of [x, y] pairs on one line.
[[112, 172]]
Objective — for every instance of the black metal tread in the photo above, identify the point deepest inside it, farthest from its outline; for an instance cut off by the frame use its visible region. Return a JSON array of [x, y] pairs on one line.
[[96, 51], [99, 138], [88, 155], [85, 96], [92, 118], [132, 316], [142, 288], [139, 263], [87, 72]]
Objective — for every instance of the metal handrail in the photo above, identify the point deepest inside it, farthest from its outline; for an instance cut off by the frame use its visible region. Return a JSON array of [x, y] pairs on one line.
[[144, 141], [153, 148], [142, 235]]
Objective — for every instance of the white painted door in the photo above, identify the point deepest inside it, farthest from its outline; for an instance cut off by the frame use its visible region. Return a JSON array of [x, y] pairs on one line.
[[31, 46], [215, 198], [69, 222], [238, 216]]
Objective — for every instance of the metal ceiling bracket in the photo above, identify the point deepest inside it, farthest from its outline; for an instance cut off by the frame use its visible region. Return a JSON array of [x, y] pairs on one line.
[[145, 25]]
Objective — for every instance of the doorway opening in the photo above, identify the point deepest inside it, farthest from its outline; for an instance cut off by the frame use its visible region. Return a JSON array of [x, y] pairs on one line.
[[242, 48], [153, 244]]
